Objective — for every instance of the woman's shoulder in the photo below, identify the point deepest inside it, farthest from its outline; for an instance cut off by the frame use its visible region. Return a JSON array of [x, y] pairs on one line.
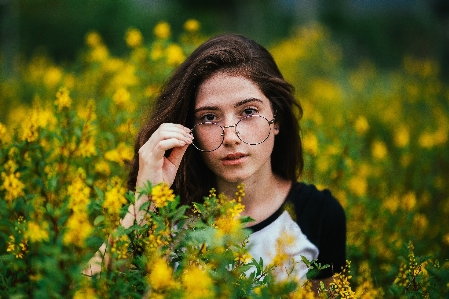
[[307, 199]]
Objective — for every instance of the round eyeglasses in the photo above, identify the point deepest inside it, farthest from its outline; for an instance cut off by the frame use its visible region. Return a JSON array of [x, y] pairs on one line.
[[251, 129]]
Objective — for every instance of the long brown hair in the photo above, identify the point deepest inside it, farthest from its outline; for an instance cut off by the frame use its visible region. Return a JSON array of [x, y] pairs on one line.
[[241, 56]]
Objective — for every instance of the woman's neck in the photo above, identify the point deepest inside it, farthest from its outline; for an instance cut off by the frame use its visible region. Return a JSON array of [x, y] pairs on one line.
[[263, 196]]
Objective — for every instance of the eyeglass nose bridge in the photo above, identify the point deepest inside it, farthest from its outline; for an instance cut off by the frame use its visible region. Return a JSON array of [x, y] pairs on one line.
[[231, 126]]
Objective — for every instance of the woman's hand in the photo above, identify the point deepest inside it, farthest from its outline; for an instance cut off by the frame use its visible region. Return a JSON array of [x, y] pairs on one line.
[[153, 165]]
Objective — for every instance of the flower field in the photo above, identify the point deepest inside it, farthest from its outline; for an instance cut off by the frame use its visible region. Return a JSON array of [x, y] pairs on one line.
[[377, 138]]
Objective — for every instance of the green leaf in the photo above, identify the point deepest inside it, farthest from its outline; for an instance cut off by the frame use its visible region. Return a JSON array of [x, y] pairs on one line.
[[145, 206], [306, 261], [199, 207], [179, 214], [98, 220], [130, 196], [99, 193], [312, 273]]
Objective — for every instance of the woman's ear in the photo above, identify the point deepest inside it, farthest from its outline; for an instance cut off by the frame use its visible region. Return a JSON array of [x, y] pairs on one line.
[[276, 128]]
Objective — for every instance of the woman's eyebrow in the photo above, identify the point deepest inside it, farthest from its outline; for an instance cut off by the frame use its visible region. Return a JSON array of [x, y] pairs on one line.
[[243, 102], [238, 104], [213, 108]]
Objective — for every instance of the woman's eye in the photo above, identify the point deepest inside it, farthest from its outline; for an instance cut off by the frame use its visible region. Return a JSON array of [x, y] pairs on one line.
[[208, 117], [249, 111]]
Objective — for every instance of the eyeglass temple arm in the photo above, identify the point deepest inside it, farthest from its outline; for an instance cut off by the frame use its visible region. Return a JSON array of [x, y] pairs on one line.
[[274, 118]]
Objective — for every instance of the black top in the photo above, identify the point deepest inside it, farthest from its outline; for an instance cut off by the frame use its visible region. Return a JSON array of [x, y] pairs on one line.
[[321, 218]]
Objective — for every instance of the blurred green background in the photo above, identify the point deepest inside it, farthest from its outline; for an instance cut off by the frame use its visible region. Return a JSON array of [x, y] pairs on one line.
[[383, 31]]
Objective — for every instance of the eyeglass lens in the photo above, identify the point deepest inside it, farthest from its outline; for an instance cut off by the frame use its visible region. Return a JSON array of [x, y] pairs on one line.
[[252, 130]]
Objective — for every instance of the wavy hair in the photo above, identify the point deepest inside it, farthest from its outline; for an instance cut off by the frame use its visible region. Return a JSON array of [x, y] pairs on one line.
[[237, 55]]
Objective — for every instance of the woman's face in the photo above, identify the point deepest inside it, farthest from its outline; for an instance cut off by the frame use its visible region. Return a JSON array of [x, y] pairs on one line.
[[225, 99]]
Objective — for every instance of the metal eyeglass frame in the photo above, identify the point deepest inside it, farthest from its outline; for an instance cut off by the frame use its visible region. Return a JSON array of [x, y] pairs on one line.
[[270, 122]]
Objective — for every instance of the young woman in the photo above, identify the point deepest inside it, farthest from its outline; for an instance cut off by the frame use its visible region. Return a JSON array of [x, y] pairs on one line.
[[226, 117]]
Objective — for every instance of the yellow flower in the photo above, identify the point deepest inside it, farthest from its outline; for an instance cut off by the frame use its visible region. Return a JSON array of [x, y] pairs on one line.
[[391, 203], [44, 118], [103, 167], [79, 192], [133, 37], [100, 53], [282, 260], [120, 247], [402, 136], [327, 91], [86, 148], [341, 283], [78, 229], [36, 232], [379, 150], [63, 99], [420, 222], [126, 76], [358, 185], [121, 154], [236, 210], [52, 76], [161, 195], [226, 225], [310, 144], [114, 196], [85, 293], [175, 56], [446, 239], [12, 185], [243, 258], [157, 52], [151, 90], [3, 132], [426, 140], [30, 128], [161, 275], [361, 125], [93, 39], [162, 30], [197, 283], [121, 97], [17, 249], [409, 201], [191, 25]]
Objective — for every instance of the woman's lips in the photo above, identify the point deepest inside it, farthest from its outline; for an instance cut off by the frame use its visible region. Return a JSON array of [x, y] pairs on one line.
[[233, 159]]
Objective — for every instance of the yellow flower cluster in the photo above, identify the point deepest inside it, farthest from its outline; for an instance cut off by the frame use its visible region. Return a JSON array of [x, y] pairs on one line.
[[226, 225], [282, 262], [120, 247], [197, 283], [86, 292], [99, 52], [3, 132], [191, 25], [78, 226], [341, 284], [37, 232], [18, 249], [133, 37], [12, 185], [114, 197], [121, 154], [161, 275], [162, 30], [161, 195], [63, 99]]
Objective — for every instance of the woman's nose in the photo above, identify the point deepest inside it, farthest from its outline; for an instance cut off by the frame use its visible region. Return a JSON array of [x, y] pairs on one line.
[[230, 135]]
